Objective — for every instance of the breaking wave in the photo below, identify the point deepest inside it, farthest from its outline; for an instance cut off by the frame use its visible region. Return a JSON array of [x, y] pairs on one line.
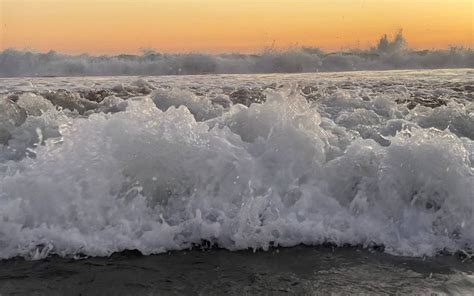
[[166, 168], [14, 63]]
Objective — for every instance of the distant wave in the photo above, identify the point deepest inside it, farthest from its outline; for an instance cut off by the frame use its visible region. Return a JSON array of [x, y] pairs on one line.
[[15, 63]]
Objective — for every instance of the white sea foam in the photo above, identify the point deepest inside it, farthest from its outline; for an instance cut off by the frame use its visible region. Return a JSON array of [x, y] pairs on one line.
[[165, 170]]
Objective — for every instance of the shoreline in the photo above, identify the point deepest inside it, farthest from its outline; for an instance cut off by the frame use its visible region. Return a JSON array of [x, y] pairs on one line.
[[296, 270]]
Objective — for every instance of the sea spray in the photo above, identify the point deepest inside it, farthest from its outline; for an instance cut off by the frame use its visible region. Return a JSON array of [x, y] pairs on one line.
[[171, 168]]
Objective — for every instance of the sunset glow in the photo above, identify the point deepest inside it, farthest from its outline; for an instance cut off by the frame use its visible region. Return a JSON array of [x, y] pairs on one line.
[[106, 26]]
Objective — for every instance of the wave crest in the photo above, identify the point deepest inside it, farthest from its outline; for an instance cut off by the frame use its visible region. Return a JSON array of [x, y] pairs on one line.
[[26, 63]]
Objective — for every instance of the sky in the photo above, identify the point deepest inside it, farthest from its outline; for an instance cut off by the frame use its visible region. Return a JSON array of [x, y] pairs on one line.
[[126, 26]]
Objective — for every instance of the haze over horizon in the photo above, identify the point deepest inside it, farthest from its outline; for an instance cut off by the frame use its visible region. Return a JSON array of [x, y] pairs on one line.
[[112, 27]]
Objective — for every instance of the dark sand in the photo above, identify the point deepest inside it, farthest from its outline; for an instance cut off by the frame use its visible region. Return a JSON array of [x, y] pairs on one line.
[[298, 270]]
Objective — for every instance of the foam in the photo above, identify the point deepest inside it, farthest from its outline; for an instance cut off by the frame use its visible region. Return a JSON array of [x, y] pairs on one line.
[[170, 169]]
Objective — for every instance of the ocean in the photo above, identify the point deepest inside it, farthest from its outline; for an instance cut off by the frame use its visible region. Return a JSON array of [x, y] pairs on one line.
[[348, 182]]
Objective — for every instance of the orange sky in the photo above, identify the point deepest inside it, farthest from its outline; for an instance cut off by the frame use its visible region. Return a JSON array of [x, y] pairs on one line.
[[113, 26]]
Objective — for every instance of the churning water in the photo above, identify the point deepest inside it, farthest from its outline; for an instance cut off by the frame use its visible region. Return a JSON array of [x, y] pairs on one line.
[[99, 165]]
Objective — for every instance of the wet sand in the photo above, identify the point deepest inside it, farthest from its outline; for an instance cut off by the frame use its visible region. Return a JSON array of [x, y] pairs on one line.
[[299, 270]]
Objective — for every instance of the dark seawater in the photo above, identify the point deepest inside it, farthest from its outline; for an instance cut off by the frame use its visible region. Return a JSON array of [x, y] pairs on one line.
[[285, 271]]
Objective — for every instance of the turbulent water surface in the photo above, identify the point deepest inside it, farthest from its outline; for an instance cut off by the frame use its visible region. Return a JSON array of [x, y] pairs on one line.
[[391, 56], [93, 166]]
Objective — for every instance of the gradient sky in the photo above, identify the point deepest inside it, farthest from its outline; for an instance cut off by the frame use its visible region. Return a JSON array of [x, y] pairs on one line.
[[111, 26]]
